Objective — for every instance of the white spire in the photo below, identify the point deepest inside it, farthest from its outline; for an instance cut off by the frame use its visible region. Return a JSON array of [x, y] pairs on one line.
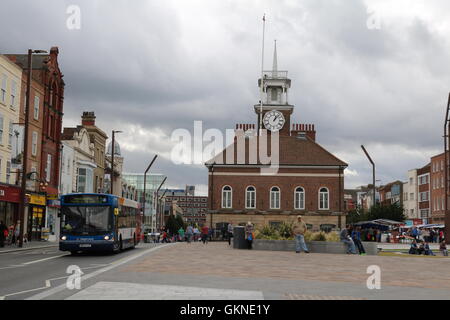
[[275, 62]]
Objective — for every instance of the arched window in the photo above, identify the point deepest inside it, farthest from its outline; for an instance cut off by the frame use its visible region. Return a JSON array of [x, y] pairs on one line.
[[324, 199], [275, 198], [299, 198], [227, 193], [250, 198]]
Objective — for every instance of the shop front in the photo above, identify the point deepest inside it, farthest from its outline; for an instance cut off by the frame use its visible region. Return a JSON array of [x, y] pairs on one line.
[[51, 230], [36, 216], [9, 204]]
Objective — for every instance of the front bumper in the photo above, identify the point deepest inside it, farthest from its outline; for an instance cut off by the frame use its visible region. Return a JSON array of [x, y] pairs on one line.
[[99, 245]]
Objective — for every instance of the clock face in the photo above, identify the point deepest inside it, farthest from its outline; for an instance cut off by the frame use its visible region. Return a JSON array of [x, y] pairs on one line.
[[274, 120]]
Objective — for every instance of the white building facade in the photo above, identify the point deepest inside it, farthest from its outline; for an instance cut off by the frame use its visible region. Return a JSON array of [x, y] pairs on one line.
[[410, 196], [83, 159], [67, 168]]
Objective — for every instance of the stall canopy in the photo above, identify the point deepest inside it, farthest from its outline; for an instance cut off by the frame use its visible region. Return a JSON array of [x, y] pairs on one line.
[[388, 222], [430, 226], [372, 224]]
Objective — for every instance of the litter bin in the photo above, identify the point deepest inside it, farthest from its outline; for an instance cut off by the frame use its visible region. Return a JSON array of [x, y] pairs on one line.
[[239, 238]]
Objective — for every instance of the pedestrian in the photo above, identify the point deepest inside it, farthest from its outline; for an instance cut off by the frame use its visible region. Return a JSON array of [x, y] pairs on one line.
[[414, 249], [249, 236], [17, 233], [426, 235], [205, 234], [347, 240], [230, 232], [299, 228], [432, 236], [370, 234], [443, 248], [414, 233], [427, 250], [3, 233], [441, 236], [421, 248], [189, 233], [356, 237], [164, 237], [196, 233], [181, 234]]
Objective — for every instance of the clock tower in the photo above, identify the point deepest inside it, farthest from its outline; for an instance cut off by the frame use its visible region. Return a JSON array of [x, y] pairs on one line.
[[274, 108]]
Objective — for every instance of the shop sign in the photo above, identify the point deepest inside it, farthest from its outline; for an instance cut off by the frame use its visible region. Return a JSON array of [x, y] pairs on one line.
[[52, 197], [9, 194], [53, 203], [37, 200]]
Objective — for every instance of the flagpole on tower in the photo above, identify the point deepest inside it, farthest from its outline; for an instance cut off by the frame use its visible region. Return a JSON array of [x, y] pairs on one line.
[[262, 76]]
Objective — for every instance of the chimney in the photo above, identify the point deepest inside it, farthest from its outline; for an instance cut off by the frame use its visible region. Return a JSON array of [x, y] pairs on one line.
[[304, 130], [88, 118]]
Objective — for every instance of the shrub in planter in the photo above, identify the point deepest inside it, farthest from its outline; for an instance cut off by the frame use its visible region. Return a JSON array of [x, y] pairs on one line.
[[333, 237], [319, 236], [285, 230]]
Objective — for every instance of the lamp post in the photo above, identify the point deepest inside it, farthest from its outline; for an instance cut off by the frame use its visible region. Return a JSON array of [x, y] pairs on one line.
[[112, 158], [212, 195], [158, 220], [145, 183], [373, 172], [25, 147]]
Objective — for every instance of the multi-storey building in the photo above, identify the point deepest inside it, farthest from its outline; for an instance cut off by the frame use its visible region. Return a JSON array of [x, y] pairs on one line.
[[309, 180], [391, 193], [424, 192], [410, 196], [83, 158], [10, 95], [194, 208], [437, 182], [44, 139], [152, 206], [98, 138]]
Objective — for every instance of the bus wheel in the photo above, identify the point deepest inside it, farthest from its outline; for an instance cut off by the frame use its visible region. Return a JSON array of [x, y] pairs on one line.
[[116, 248]]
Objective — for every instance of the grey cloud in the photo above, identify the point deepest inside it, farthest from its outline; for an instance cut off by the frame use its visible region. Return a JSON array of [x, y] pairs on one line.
[[158, 65]]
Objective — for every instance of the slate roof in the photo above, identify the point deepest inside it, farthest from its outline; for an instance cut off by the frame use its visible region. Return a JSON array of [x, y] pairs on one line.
[[293, 151]]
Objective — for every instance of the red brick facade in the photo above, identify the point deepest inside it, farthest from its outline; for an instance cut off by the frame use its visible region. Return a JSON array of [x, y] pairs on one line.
[[48, 83], [423, 182], [437, 184]]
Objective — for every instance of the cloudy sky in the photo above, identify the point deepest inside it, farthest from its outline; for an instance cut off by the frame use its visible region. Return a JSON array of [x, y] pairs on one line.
[[365, 72]]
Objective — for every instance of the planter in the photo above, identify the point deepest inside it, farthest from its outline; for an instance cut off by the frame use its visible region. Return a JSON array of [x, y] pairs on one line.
[[313, 246]]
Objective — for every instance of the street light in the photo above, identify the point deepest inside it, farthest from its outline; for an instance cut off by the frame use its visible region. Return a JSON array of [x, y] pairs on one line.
[[157, 200], [145, 183], [25, 147], [112, 158], [373, 171]]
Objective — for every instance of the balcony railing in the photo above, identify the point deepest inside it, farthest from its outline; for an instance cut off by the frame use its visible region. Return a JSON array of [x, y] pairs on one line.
[[275, 74]]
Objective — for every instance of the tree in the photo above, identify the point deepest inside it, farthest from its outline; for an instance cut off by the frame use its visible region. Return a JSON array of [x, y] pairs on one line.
[[356, 215], [180, 222], [392, 212], [172, 224]]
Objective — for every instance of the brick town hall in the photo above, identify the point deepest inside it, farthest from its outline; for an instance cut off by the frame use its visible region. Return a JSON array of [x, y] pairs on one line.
[[309, 181]]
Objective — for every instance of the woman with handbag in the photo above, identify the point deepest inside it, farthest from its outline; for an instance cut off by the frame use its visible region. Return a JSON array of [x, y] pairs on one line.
[[249, 236]]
